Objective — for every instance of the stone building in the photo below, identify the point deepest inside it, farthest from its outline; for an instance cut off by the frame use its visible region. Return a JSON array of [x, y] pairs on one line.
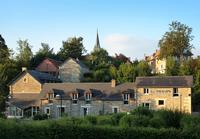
[[80, 99], [167, 92], [72, 70], [24, 97], [157, 65]]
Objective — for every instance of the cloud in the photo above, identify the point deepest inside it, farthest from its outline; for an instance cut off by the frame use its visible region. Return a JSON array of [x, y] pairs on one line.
[[131, 46]]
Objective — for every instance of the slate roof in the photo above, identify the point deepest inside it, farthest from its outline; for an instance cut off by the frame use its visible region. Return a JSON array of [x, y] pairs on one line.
[[98, 90], [42, 77], [25, 100], [164, 81], [39, 76]]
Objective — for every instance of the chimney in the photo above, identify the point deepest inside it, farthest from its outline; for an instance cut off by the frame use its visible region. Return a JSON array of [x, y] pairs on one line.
[[24, 69], [113, 83]]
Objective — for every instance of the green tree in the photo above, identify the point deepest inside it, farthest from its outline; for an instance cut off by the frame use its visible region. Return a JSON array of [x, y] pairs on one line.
[[113, 72], [125, 73], [185, 68], [4, 51], [143, 69], [25, 54], [177, 41], [99, 57], [172, 67], [41, 54], [73, 47]]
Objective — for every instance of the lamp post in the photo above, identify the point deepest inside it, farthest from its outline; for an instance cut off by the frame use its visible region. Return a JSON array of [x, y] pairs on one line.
[[60, 97]]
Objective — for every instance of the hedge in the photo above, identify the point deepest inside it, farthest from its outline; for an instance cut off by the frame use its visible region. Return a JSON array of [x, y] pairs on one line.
[[56, 130]]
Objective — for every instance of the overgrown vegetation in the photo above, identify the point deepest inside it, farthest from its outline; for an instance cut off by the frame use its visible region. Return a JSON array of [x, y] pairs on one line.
[[141, 123]]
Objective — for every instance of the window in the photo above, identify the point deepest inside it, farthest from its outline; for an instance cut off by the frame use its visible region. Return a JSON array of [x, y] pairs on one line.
[[126, 98], [175, 92], [161, 102], [88, 96], [115, 109], [35, 110], [47, 110], [146, 90], [75, 98], [146, 105], [25, 80]]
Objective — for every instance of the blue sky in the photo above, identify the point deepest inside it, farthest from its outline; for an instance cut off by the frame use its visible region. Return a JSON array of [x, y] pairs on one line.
[[132, 27]]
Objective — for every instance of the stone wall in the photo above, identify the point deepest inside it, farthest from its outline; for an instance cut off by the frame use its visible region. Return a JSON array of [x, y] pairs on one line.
[[25, 84], [181, 102]]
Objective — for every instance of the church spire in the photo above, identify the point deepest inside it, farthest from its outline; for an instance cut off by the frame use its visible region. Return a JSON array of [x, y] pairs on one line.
[[97, 45]]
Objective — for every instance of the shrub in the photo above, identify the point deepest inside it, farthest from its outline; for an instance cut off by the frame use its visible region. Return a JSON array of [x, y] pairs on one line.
[[91, 119], [142, 111], [189, 122], [104, 120], [40, 117], [116, 118], [156, 122], [126, 121], [170, 118]]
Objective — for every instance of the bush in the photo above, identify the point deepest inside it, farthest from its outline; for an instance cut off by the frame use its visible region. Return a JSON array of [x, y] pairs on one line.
[[104, 120], [91, 119], [156, 122], [170, 118], [126, 121], [40, 117], [142, 111], [116, 118], [189, 122]]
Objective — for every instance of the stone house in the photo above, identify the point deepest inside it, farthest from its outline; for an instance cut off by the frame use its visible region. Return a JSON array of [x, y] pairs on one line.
[[25, 88], [72, 70], [50, 66], [80, 99], [157, 65]]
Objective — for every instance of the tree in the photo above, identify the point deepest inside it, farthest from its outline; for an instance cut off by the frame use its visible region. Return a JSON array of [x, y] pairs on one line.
[[143, 69], [73, 47], [25, 54], [99, 57], [113, 72], [41, 54], [125, 73], [177, 41], [4, 51], [185, 68], [172, 67]]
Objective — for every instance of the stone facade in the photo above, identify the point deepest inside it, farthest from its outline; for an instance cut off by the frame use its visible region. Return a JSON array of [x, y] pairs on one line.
[[166, 98], [80, 99], [25, 84], [72, 71], [157, 65]]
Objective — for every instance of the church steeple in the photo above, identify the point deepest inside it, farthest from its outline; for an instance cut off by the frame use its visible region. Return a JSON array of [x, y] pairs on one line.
[[97, 45]]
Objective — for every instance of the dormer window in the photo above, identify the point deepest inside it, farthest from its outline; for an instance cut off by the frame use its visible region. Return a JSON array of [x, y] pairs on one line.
[[126, 98], [75, 98], [88, 97]]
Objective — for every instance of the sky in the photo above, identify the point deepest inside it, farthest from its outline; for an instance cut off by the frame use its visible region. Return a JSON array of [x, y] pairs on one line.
[[131, 27]]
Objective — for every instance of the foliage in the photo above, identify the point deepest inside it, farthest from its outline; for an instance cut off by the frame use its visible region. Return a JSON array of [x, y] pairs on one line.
[[125, 73], [142, 111], [143, 69], [104, 120], [176, 41], [25, 54], [41, 54], [73, 47], [172, 67], [4, 51], [40, 117], [99, 57]]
